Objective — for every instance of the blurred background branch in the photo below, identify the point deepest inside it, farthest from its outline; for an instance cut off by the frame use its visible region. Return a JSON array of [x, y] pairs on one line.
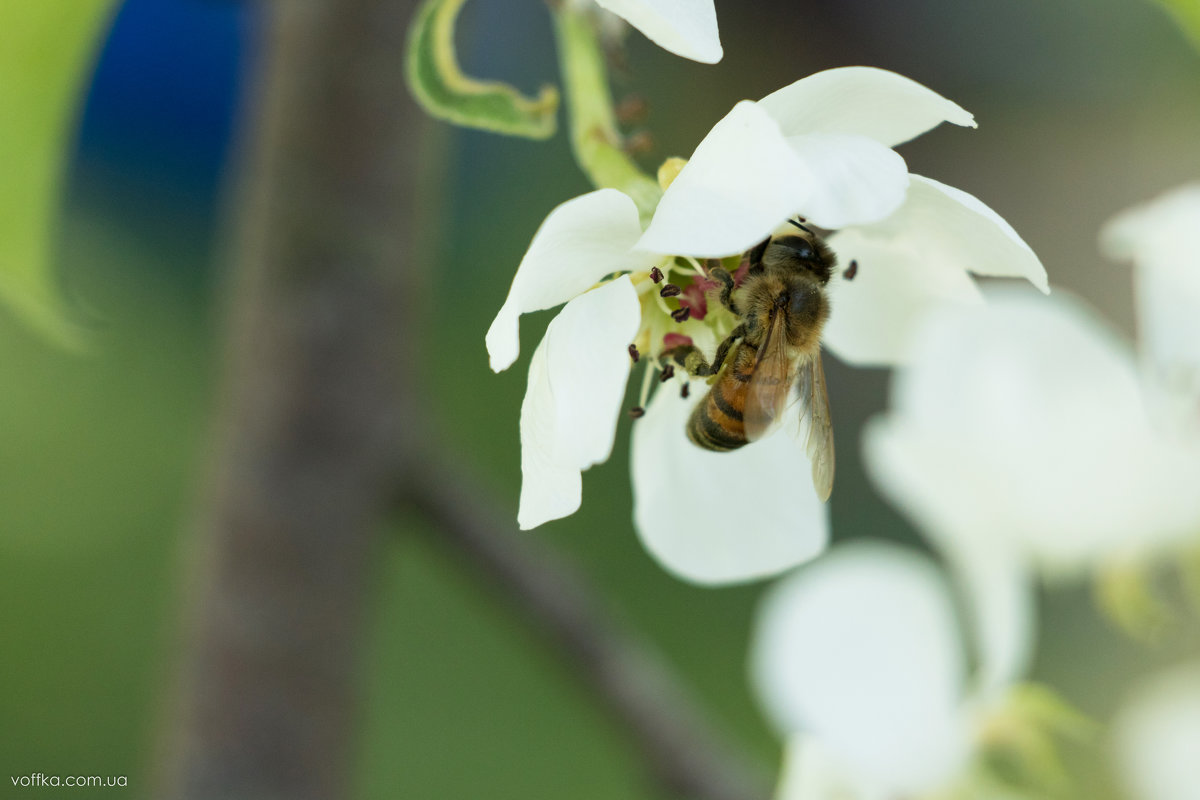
[[680, 748], [312, 413]]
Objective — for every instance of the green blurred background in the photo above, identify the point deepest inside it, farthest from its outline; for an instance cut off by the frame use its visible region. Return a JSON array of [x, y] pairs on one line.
[[1084, 107]]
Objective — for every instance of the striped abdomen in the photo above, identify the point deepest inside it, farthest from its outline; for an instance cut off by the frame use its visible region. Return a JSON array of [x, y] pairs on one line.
[[717, 423]]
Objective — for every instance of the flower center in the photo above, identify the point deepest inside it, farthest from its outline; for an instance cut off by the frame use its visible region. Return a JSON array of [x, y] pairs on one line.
[[679, 306]]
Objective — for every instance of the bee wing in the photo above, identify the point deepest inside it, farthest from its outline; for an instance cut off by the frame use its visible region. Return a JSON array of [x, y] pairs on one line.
[[814, 399], [770, 382]]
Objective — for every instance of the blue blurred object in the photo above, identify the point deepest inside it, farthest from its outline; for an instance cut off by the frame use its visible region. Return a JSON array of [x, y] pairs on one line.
[[159, 119]]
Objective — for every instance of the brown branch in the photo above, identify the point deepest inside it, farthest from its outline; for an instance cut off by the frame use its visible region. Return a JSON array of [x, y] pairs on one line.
[[676, 741], [307, 442]]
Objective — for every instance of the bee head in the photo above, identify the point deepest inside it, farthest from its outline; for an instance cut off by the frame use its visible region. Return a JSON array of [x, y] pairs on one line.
[[800, 253]]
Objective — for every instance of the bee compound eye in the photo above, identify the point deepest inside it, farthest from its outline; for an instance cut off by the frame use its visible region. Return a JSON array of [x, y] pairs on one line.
[[804, 250], [789, 248]]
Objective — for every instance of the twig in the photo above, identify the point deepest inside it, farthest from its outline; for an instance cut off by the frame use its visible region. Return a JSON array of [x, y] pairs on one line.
[[677, 742]]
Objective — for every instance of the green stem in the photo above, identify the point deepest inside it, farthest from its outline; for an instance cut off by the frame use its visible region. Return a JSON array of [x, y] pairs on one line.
[[595, 139]]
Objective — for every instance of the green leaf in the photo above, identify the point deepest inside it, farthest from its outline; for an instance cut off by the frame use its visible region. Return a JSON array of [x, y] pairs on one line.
[[431, 67], [46, 53], [1187, 15]]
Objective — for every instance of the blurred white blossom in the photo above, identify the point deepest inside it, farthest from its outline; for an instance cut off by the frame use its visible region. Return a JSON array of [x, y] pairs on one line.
[[1022, 427], [861, 663], [821, 149], [1030, 426], [1160, 237], [1156, 737]]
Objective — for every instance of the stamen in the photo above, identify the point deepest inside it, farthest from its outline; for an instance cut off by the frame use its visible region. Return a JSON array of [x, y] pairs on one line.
[[656, 275], [636, 412], [851, 271], [670, 290], [667, 373], [681, 314], [633, 353], [644, 394], [661, 302]]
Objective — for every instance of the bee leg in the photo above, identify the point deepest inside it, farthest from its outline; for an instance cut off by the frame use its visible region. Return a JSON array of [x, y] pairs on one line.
[[691, 359], [727, 286]]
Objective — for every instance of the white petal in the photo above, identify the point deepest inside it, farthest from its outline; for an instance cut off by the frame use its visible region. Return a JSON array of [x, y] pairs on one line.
[[1159, 234], [887, 107], [576, 385], [913, 263], [811, 772], [1160, 237], [861, 650], [687, 28], [1157, 737], [998, 591], [740, 184], [853, 180], [1022, 422], [721, 517], [581, 241], [874, 317], [954, 229], [1168, 303]]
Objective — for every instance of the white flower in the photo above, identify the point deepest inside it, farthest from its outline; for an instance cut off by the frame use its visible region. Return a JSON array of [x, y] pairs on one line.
[[1157, 737], [1160, 238], [861, 665], [1022, 426], [820, 148], [687, 28]]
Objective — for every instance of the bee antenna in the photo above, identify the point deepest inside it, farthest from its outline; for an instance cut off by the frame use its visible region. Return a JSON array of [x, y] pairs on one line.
[[801, 226]]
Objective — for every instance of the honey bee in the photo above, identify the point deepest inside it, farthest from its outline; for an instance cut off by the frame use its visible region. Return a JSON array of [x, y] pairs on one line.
[[777, 346]]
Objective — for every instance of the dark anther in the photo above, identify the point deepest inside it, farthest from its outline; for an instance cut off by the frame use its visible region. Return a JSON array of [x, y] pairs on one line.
[[851, 271], [681, 314], [632, 108], [656, 275], [633, 353], [670, 290], [667, 373], [637, 411], [639, 143], [684, 392]]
